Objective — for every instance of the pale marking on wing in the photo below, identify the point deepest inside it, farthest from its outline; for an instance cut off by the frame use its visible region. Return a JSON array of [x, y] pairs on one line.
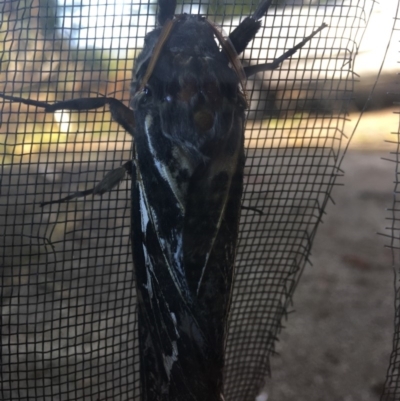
[[178, 262], [148, 286], [162, 169], [170, 359], [173, 316], [154, 221], [144, 222]]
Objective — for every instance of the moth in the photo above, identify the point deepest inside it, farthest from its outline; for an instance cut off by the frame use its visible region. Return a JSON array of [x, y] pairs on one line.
[[186, 117]]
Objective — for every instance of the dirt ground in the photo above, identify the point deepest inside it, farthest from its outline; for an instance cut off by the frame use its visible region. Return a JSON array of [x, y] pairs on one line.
[[337, 344]]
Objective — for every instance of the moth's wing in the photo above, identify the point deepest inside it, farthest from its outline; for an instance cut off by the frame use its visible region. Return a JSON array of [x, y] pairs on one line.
[[169, 333], [212, 215]]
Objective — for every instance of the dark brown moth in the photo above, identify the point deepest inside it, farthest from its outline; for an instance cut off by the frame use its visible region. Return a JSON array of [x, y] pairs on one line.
[[186, 118]]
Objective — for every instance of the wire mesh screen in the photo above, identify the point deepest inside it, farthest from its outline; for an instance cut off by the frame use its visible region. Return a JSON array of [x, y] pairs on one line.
[[392, 385], [68, 300]]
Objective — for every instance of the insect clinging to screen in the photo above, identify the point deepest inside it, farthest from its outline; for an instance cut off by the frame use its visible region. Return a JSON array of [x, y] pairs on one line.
[[186, 118]]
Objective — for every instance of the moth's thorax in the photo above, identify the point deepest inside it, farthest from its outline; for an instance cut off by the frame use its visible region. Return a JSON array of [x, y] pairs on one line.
[[192, 93], [190, 108], [190, 46], [192, 36]]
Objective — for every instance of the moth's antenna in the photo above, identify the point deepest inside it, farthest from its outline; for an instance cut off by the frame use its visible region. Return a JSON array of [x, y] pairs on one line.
[[166, 10]]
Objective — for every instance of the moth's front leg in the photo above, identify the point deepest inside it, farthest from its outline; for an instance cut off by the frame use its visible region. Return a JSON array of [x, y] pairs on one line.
[[120, 113]]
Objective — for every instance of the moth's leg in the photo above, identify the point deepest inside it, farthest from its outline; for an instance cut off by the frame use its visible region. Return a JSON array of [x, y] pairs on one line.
[[253, 69], [166, 10], [254, 209], [247, 29], [73, 104], [110, 180], [120, 113]]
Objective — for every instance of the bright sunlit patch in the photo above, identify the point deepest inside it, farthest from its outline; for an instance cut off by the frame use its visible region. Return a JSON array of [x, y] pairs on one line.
[[62, 117], [111, 24], [116, 25]]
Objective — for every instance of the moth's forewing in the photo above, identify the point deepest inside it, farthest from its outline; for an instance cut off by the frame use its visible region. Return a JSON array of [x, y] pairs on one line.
[[186, 205]]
